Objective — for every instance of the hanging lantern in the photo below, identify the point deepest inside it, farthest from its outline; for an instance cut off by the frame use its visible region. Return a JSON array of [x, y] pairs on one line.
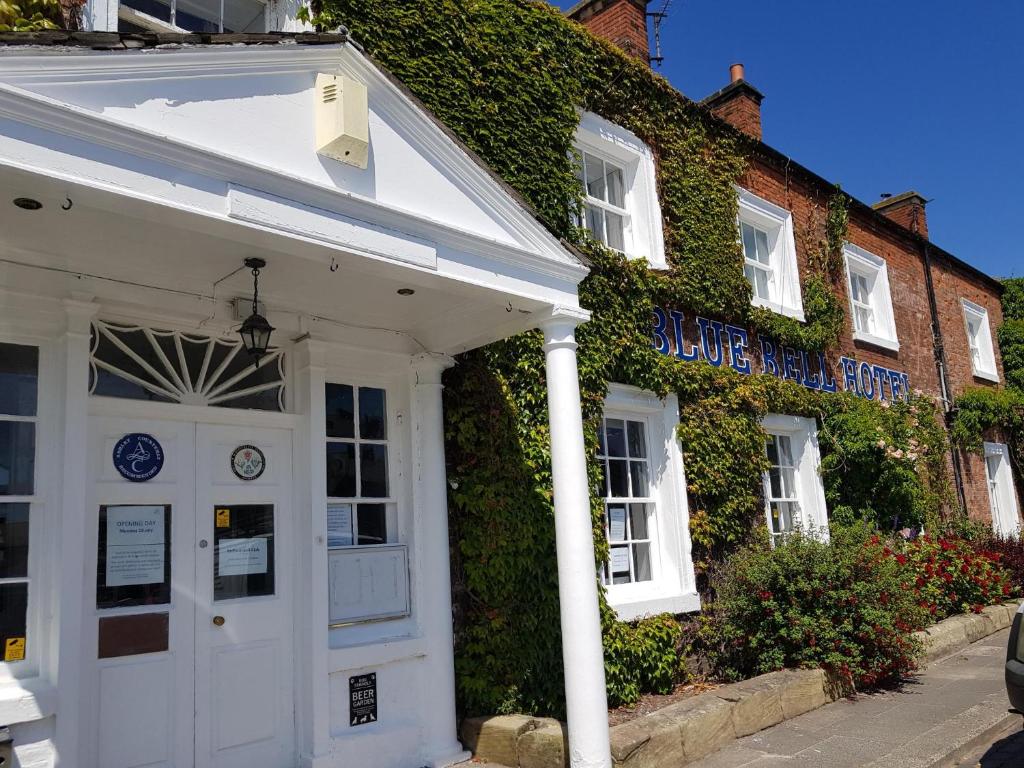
[[255, 331]]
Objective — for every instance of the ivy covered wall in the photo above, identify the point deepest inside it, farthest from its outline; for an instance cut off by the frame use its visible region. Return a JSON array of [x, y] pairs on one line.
[[508, 76]]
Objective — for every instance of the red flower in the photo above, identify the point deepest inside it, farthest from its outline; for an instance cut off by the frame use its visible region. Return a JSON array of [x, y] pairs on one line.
[[901, 559]]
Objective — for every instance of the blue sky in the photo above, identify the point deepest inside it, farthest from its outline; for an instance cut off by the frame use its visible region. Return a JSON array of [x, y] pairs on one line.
[[881, 96]]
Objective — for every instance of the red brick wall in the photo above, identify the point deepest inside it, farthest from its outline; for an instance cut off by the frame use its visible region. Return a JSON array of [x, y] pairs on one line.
[[909, 214], [743, 111], [906, 268], [951, 285], [623, 22]]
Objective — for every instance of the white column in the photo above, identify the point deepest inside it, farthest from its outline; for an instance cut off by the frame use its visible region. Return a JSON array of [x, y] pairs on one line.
[[72, 573], [430, 513], [312, 667], [582, 652]]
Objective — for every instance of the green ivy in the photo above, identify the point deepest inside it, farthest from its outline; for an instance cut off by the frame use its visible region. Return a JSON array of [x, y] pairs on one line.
[[30, 15], [508, 78]]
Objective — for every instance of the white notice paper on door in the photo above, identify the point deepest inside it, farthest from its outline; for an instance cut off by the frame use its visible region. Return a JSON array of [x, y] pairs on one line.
[[240, 557], [135, 545]]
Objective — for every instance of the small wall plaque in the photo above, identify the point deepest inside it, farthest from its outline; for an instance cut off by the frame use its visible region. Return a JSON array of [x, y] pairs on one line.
[[138, 457], [248, 462]]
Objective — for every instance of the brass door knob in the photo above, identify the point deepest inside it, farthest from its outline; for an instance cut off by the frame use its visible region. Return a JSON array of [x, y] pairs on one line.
[[218, 621]]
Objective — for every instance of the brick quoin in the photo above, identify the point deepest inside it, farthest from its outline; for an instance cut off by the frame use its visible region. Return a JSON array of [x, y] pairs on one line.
[[623, 22]]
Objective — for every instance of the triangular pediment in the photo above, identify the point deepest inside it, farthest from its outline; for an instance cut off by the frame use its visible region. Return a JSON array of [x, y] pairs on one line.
[[255, 108]]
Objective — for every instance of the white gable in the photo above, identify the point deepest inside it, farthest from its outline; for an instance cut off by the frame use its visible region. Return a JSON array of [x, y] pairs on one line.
[[255, 106]]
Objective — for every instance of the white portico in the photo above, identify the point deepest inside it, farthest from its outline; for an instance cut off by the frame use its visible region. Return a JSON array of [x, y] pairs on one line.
[[287, 601]]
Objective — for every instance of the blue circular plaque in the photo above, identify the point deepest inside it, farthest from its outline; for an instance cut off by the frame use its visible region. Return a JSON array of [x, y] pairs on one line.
[[138, 457]]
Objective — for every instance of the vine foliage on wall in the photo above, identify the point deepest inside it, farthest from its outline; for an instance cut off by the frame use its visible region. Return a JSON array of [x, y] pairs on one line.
[[508, 77]]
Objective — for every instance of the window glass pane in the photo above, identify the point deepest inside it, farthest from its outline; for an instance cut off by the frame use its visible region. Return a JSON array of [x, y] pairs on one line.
[[762, 288], [638, 475], [595, 221], [864, 319], [616, 186], [243, 551], [616, 226], [372, 524], [638, 521], [133, 555], [620, 564], [616, 522], [773, 452], [340, 422], [642, 562], [595, 176], [615, 433], [19, 369], [785, 450], [637, 443], [17, 457], [782, 517], [775, 481], [749, 246], [600, 438], [373, 470], [788, 480], [13, 540], [341, 470], [13, 607], [618, 478], [372, 418], [763, 254]]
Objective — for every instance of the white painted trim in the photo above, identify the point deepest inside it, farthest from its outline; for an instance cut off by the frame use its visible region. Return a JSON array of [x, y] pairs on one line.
[[673, 588], [1006, 502], [861, 261], [985, 343], [804, 435], [764, 214], [613, 142], [539, 250]]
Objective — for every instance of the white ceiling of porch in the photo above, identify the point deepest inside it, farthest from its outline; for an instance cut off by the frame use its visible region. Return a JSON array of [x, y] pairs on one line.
[[143, 250]]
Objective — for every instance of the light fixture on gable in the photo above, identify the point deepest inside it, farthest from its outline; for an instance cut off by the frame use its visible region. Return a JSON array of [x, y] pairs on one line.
[[255, 330]]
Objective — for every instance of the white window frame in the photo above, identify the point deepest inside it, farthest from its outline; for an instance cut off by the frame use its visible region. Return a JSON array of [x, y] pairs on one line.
[[876, 272], [389, 502], [40, 538], [983, 364], [777, 222], [1002, 493], [643, 235], [673, 586], [803, 435], [151, 23]]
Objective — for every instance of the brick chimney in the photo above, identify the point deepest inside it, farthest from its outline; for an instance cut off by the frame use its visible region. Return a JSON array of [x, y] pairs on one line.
[[907, 210], [739, 103], [623, 22]]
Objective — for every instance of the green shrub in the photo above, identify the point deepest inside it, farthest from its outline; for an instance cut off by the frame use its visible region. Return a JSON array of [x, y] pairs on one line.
[[845, 606], [642, 657]]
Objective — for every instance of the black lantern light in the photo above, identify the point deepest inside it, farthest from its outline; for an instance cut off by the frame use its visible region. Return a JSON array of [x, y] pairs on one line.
[[255, 331]]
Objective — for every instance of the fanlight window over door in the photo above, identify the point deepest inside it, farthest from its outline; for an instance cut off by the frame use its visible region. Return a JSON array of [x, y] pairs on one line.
[[140, 363]]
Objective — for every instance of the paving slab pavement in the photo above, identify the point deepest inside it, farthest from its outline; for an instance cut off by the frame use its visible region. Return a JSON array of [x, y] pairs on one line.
[[954, 705]]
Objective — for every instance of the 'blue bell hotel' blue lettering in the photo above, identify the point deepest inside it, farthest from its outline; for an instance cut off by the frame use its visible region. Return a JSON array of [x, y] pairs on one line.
[[719, 344]]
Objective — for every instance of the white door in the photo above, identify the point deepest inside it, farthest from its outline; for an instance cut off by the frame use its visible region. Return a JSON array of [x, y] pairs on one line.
[[188, 636], [244, 700], [138, 617]]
